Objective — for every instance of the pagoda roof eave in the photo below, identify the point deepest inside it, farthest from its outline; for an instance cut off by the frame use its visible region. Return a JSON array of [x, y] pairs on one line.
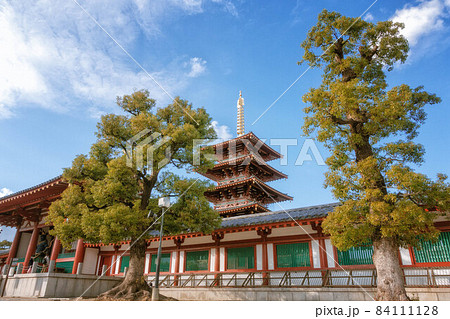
[[264, 166], [251, 135], [258, 182], [236, 210]]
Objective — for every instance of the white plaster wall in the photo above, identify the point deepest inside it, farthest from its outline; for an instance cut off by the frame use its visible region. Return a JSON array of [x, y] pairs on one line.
[[405, 256], [330, 253], [222, 259], [107, 248], [198, 240], [147, 263], [212, 259], [165, 244], [294, 230], [259, 261], [270, 261], [90, 261], [173, 261], [315, 253], [181, 266], [240, 236], [117, 265], [125, 247], [98, 264], [23, 245], [112, 269]]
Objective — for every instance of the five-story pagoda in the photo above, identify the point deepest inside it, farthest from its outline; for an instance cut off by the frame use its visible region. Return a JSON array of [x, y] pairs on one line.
[[242, 172]]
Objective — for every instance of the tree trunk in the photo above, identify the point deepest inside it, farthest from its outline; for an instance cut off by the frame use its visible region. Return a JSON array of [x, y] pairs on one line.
[[390, 276], [134, 286]]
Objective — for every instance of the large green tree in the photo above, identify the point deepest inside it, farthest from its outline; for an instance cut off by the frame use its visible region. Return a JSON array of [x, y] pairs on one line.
[[113, 191], [369, 129]]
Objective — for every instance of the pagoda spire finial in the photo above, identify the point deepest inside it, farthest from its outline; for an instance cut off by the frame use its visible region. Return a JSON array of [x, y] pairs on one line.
[[240, 115]]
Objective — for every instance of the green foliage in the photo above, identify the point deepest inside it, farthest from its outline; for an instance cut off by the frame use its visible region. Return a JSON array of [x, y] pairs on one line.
[[370, 130], [181, 218], [111, 193], [5, 244]]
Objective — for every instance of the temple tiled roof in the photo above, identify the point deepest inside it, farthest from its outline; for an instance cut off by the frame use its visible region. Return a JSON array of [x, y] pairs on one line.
[[279, 216], [54, 179], [298, 214]]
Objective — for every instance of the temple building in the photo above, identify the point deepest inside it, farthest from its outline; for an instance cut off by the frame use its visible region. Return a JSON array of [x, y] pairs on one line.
[[242, 172], [253, 247]]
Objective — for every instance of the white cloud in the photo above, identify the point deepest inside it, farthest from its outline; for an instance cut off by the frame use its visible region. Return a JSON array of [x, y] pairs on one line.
[[54, 56], [197, 67], [228, 6], [20, 80], [368, 17], [222, 131], [422, 19], [5, 192]]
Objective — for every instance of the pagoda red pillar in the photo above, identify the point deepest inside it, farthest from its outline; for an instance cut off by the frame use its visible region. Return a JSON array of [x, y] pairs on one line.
[[14, 247], [79, 256], [31, 247]]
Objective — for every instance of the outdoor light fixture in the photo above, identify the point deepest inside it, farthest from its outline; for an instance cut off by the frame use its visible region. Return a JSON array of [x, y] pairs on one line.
[[164, 203]]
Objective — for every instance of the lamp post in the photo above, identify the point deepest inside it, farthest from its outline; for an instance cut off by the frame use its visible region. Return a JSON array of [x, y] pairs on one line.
[[164, 203]]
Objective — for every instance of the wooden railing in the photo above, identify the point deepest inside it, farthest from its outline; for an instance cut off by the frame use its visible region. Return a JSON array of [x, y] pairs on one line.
[[413, 277]]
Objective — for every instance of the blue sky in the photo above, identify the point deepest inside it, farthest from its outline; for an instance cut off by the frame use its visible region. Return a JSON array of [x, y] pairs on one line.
[[59, 72]]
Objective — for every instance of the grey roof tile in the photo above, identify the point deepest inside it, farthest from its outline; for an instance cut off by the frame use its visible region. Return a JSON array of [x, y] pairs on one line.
[[279, 216]]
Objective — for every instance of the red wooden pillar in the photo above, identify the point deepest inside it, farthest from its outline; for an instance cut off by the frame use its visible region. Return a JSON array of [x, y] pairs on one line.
[[177, 242], [217, 260], [177, 261], [265, 263], [264, 232], [14, 247], [323, 253], [322, 250], [56, 249], [217, 237], [31, 247], [177, 267], [79, 255]]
